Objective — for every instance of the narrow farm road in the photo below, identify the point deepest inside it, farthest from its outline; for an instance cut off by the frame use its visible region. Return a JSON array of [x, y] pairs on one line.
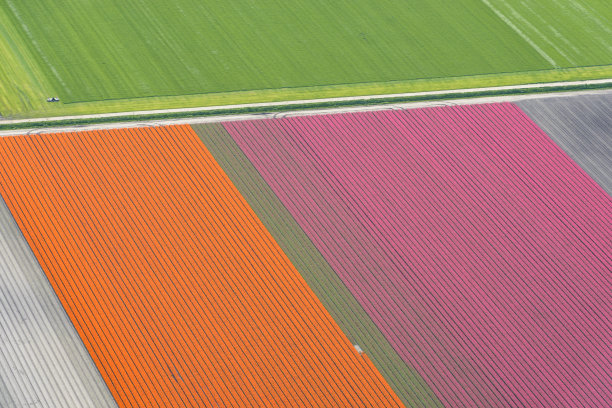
[[263, 115]]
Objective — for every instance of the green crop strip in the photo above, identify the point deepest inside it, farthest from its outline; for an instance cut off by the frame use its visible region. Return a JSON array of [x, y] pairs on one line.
[[326, 284]]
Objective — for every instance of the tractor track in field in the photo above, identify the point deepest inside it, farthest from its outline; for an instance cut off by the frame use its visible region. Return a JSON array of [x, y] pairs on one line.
[[378, 104]]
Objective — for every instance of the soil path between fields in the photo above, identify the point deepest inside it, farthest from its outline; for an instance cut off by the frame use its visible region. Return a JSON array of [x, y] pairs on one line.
[[313, 111]]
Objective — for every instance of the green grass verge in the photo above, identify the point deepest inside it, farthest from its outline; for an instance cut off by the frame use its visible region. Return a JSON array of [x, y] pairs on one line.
[[291, 94], [317, 273], [565, 33], [289, 108], [118, 55]]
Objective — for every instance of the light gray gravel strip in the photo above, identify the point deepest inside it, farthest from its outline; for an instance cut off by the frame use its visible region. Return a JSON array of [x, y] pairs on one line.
[[43, 362], [582, 126]]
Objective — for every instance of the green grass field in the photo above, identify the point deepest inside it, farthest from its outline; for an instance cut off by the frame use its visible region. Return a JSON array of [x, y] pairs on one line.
[[112, 55]]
